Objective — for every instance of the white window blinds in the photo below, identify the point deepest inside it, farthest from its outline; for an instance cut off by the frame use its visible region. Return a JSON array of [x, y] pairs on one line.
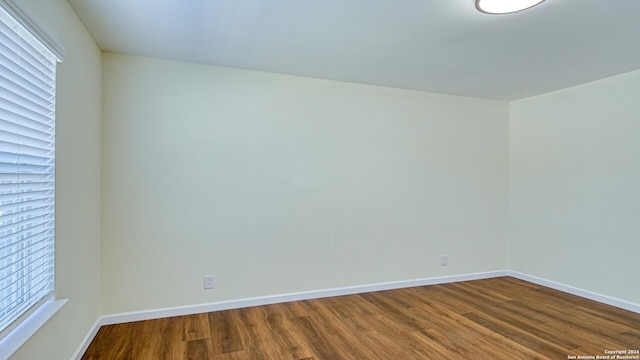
[[27, 164]]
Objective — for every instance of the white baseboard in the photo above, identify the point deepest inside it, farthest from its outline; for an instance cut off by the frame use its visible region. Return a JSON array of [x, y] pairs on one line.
[[350, 290], [275, 299], [622, 304], [87, 339]]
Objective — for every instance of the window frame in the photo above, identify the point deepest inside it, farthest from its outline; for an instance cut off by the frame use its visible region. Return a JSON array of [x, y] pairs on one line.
[[19, 332]]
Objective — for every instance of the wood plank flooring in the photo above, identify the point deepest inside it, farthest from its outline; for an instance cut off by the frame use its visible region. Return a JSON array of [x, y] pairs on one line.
[[501, 318]]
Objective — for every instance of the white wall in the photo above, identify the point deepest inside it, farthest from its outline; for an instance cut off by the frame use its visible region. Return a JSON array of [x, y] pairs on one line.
[[78, 200], [575, 186], [278, 184]]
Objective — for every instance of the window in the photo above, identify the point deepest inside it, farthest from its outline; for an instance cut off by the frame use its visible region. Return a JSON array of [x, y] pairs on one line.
[[27, 170]]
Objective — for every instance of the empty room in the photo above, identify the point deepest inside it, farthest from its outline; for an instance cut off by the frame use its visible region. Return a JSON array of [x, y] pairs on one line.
[[305, 179]]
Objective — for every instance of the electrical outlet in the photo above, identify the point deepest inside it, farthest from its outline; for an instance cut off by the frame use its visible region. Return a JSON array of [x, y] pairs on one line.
[[210, 282], [444, 260]]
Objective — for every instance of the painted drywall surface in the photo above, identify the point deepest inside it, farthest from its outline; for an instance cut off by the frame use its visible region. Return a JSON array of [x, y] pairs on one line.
[[279, 184], [78, 211], [575, 186]]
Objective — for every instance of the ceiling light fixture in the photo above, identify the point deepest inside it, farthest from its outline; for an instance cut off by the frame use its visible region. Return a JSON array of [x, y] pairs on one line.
[[505, 6]]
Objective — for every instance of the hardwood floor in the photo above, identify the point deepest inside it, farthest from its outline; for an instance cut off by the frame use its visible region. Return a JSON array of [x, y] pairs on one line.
[[501, 318]]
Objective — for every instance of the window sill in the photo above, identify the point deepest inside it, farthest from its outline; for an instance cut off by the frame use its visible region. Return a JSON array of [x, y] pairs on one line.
[[19, 336]]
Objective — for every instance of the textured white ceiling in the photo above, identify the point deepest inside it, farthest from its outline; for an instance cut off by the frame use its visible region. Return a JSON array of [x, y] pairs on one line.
[[443, 46]]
